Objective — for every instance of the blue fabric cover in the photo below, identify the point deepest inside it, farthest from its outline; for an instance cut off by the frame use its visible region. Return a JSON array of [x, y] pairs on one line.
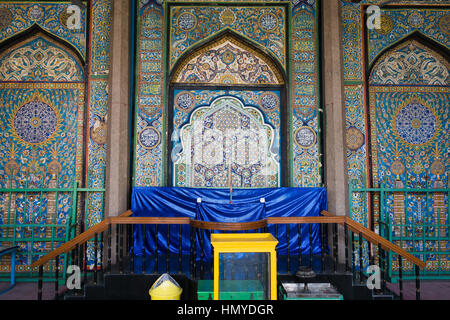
[[215, 206]]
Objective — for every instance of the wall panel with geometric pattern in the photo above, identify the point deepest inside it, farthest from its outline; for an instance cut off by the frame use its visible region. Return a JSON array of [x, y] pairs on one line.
[[396, 81], [53, 94], [256, 45]]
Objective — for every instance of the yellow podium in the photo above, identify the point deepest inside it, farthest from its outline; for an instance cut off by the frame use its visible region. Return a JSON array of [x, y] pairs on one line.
[[260, 245]]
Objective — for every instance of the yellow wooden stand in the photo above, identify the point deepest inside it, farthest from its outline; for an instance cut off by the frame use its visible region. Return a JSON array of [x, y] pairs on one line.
[[245, 242]]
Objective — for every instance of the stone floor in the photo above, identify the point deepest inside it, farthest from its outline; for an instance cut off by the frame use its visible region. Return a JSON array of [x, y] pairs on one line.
[[27, 291], [429, 290]]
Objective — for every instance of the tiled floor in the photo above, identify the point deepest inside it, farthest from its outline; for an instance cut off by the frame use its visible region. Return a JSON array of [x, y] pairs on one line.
[[430, 290]]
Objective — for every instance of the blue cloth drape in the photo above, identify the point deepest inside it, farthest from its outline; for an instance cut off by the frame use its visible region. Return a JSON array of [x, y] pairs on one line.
[[215, 206]]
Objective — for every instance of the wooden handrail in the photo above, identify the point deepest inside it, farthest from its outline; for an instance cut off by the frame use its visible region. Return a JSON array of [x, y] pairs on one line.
[[326, 217], [126, 213], [377, 239], [292, 220], [149, 220], [69, 245], [81, 238]]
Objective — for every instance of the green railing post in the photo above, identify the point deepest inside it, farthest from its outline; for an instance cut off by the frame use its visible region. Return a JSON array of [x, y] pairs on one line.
[[74, 210], [409, 230], [32, 200]]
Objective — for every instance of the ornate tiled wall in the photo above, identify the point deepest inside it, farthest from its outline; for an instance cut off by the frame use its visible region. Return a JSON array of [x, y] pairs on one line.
[[397, 119], [286, 34], [18, 16], [148, 158], [205, 156], [306, 104], [53, 108], [396, 24], [99, 65]]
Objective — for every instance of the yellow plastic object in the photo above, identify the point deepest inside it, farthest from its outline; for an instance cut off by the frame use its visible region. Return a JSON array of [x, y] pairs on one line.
[[165, 288], [245, 242]]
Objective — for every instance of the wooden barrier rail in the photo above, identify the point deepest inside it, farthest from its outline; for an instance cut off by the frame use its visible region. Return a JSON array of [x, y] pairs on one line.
[[326, 218], [126, 219], [375, 238]]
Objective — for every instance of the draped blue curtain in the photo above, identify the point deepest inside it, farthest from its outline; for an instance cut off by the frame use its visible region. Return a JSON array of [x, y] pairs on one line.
[[214, 205]]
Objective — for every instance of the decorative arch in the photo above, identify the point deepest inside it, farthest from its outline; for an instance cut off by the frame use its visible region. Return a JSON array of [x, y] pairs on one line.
[[227, 59], [409, 129], [39, 58], [409, 116], [410, 62], [408, 102], [36, 29], [42, 94], [228, 68], [227, 142]]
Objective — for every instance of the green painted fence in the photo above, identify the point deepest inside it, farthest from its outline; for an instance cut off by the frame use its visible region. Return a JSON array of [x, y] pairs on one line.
[[416, 219], [39, 220]]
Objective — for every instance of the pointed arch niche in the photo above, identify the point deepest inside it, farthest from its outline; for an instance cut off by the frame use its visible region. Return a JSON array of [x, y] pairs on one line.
[[42, 97], [409, 115], [409, 126], [227, 116], [42, 94]]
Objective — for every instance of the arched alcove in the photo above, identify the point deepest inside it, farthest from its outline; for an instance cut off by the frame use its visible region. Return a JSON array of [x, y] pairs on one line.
[[42, 99], [223, 71], [39, 58], [34, 30], [408, 100], [227, 59], [409, 128]]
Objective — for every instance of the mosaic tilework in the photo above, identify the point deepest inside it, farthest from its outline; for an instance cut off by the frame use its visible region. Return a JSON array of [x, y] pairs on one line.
[[418, 113], [39, 60], [355, 141], [52, 17], [409, 139], [351, 40], [410, 122], [397, 23], [187, 100], [98, 110], [191, 24], [38, 159], [97, 133], [96, 157], [226, 115], [306, 160], [149, 158], [354, 97], [42, 128], [265, 27], [406, 132], [37, 150], [411, 64], [421, 238], [98, 95], [227, 61], [101, 37], [46, 137]]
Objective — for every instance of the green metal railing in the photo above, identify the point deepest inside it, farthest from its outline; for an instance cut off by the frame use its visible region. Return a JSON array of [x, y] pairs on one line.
[[39, 220], [416, 219]]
